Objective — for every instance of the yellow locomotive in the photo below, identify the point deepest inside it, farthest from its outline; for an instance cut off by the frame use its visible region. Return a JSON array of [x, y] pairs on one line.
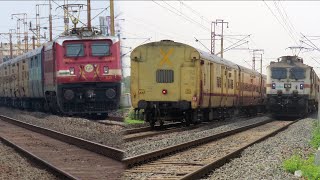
[[171, 80]]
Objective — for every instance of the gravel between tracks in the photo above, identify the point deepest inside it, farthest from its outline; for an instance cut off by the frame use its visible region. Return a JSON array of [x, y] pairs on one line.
[[14, 166], [150, 144], [109, 135], [264, 160]]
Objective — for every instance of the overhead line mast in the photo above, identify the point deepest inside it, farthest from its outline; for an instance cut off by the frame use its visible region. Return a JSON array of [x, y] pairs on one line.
[[255, 53], [214, 34], [89, 14], [112, 18]]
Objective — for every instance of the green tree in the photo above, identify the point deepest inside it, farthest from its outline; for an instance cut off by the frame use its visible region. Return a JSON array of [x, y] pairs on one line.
[[126, 81]]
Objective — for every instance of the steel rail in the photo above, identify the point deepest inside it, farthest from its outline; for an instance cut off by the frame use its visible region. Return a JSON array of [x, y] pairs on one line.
[[145, 129], [220, 162], [150, 156], [107, 151], [55, 170]]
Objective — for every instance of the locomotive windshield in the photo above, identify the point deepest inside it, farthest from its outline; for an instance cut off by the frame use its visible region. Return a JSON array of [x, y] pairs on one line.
[[100, 49], [74, 50], [297, 73], [278, 73]]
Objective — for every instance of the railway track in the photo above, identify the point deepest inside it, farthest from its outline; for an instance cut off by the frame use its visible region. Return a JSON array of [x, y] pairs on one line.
[[67, 156], [196, 158], [139, 133], [113, 120]]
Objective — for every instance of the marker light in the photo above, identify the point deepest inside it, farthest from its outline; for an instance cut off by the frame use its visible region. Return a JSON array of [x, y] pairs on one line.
[[164, 91], [273, 85], [105, 69], [71, 70], [301, 86]]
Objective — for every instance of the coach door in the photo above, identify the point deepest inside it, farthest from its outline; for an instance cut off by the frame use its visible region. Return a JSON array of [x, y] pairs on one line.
[[223, 85], [241, 98], [187, 82], [205, 82]]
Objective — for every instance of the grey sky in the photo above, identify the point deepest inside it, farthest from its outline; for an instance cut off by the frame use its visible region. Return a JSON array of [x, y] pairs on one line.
[[167, 20], [153, 19]]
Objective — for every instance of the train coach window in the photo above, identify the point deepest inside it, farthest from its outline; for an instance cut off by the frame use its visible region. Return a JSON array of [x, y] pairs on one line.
[[297, 73], [74, 50], [278, 73], [219, 82], [164, 76], [100, 49]]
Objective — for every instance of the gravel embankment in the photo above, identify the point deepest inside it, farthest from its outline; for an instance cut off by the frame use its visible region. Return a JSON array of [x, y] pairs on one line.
[[150, 144], [109, 135], [14, 166], [120, 112], [264, 160]]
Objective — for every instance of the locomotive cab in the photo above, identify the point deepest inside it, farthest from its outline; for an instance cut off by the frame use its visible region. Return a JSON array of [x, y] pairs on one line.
[[88, 74], [292, 87]]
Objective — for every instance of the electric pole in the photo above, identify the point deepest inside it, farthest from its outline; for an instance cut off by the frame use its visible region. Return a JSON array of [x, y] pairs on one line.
[[25, 28], [37, 24], [10, 41], [65, 17], [10, 34], [214, 34], [112, 18], [89, 14], [50, 21], [38, 33], [257, 53]]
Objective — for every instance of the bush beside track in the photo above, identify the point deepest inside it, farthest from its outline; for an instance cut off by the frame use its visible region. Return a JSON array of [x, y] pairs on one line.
[[306, 164]]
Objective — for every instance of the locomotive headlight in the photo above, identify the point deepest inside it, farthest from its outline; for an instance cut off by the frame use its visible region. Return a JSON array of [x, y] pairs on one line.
[[68, 94], [301, 86], [273, 86], [111, 93], [105, 69], [71, 69]]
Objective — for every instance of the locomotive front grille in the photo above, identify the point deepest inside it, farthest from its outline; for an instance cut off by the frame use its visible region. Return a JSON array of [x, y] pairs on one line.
[[83, 98]]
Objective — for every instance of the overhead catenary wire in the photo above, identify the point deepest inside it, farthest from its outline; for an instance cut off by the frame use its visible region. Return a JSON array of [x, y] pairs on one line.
[[287, 21], [289, 34], [202, 44], [288, 18], [181, 15], [235, 44], [195, 12]]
